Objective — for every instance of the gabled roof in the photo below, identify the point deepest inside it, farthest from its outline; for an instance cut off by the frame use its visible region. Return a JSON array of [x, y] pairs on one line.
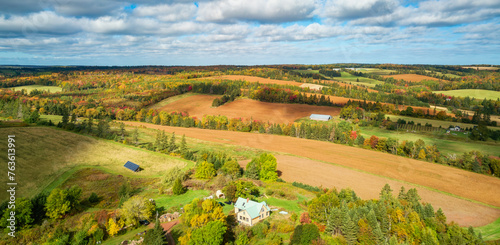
[[132, 166], [320, 117], [253, 208]]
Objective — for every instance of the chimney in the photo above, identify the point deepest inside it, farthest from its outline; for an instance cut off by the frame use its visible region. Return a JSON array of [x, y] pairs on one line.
[[248, 199]]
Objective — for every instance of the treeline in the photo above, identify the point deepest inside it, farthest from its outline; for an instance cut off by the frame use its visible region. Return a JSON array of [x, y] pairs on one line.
[[278, 95], [390, 220]]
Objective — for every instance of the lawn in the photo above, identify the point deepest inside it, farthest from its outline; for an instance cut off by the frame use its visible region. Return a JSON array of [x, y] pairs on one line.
[[479, 94], [29, 88], [43, 155], [167, 201], [491, 231], [348, 78], [443, 142]]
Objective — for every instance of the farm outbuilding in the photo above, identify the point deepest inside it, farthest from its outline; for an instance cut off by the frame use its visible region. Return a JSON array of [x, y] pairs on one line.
[[319, 117], [132, 166]]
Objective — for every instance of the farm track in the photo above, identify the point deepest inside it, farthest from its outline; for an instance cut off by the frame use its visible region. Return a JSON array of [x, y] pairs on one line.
[[477, 187]]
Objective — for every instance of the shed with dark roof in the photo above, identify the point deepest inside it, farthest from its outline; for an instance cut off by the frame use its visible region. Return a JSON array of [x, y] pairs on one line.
[[132, 166]]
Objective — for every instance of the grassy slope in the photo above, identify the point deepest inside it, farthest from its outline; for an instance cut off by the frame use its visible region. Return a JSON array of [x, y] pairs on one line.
[[491, 231], [170, 100], [44, 154], [473, 93], [444, 145], [347, 77], [435, 123], [29, 88]]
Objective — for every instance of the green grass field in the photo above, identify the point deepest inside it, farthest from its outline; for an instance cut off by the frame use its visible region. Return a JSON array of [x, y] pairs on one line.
[[479, 94], [376, 71], [444, 144], [29, 88], [167, 201], [45, 155], [348, 78], [435, 123], [490, 232], [170, 100], [54, 118]]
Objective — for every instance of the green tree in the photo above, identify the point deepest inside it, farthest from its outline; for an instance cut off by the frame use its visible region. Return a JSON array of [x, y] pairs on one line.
[[136, 209], [57, 204], [232, 168], [253, 169], [171, 144], [34, 117], [211, 234], [23, 215], [304, 234], [135, 136], [268, 165], [242, 239], [205, 170], [178, 188], [38, 207], [183, 145], [156, 236], [73, 195]]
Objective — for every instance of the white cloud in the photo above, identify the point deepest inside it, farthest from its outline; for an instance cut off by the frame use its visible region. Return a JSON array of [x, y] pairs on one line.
[[266, 11], [169, 13], [349, 10], [297, 32], [45, 22]]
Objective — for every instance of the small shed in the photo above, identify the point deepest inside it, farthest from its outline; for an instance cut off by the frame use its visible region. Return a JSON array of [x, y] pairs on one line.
[[219, 194], [132, 166], [319, 117]]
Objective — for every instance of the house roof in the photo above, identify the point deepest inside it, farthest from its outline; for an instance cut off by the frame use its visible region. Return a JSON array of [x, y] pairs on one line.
[[132, 166], [320, 117], [253, 208]]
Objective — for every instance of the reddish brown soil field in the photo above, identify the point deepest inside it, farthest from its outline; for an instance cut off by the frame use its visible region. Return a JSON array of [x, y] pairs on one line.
[[200, 105], [256, 79], [457, 182], [412, 77]]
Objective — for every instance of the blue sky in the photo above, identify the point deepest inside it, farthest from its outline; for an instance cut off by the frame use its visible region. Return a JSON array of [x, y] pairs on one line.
[[241, 32]]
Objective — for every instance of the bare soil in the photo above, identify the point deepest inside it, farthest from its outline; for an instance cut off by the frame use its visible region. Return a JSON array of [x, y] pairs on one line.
[[473, 186], [200, 105]]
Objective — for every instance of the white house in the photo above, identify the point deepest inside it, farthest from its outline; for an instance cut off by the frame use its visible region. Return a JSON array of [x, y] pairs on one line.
[[456, 128], [249, 212]]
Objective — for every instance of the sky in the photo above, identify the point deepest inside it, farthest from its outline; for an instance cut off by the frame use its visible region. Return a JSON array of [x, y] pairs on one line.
[[249, 32]]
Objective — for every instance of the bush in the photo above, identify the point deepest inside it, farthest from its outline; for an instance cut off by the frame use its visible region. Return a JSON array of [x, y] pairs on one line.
[[306, 187], [93, 198], [178, 188]]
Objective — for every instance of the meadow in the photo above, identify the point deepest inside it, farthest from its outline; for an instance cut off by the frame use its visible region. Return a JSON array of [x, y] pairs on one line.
[[29, 88], [348, 78], [479, 94]]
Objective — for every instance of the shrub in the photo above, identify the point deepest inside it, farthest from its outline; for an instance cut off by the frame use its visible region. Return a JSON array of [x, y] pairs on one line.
[[93, 198], [306, 187]]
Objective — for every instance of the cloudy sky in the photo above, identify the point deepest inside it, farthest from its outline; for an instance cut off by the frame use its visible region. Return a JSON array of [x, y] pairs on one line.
[[246, 32]]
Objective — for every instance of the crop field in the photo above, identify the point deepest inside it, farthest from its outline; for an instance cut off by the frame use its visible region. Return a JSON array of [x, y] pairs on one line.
[[29, 88], [412, 77], [482, 68], [254, 79], [479, 94], [44, 155], [435, 123], [347, 77], [376, 71], [458, 183], [200, 105]]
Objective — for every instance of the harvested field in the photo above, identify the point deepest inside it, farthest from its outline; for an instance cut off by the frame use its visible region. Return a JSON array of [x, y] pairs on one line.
[[468, 185], [255, 79], [490, 68], [368, 186], [412, 77], [200, 105]]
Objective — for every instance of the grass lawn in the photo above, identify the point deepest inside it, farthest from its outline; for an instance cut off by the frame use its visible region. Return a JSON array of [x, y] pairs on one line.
[[288, 205], [348, 78], [29, 88], [479, 94], [132, 234], [491, 231], [170, 100], [54, 118], [443, 142], [167, 201], [46, 154]]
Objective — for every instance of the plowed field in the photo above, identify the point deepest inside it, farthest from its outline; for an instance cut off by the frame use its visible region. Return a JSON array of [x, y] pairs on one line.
[[412, 77], [468, 185], [200, 105]]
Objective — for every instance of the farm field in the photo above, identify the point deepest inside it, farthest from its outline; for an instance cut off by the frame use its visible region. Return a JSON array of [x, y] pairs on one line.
[[412, 77], [368, 186], [58, 152], [435, 123], [457, 182], [479, 94], [376, 71], [254, 79], [200, 105], [445, 146], [29, 88], [482, 68], [347, 77]]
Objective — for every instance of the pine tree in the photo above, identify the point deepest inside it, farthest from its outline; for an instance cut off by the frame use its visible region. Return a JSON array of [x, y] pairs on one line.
[[183, 146], [156, 236], [349, 230], [293, 132], [171, 145], [178, 189]]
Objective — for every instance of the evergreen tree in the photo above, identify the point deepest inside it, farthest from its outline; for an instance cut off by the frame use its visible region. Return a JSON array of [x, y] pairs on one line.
[[349, 230], [253, 169], [178, 189], [171, 145], [293, 132], [183, 146], [156, 236]]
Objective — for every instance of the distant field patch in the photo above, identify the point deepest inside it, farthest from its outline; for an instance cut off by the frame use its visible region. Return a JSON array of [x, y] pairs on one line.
[[376, 71], [473, 93], [200, 105], [255, 79], [412, 77], [29, 88], [169, 100], [347, 77], [490, 68]]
